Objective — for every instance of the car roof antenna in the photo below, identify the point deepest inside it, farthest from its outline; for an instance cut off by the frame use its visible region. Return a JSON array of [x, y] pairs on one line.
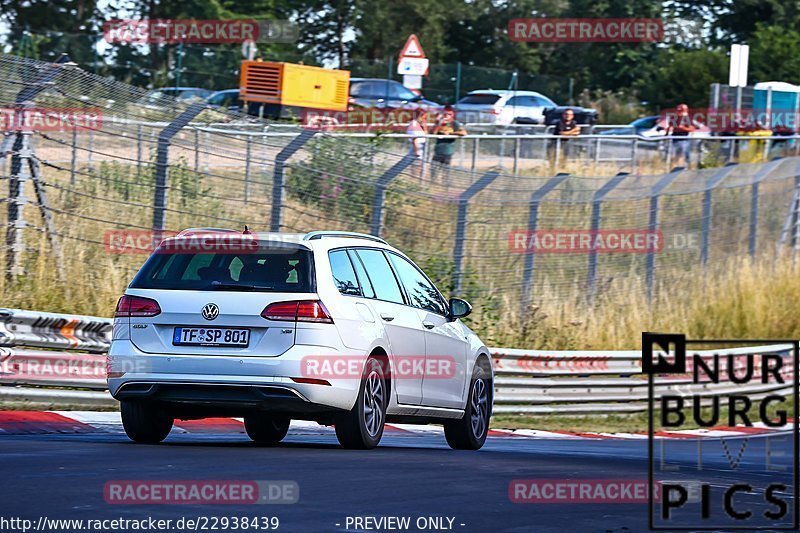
[[246, 231]]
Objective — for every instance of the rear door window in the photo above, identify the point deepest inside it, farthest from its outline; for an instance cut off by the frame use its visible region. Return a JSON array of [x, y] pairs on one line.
[[344, 276], [363, 278], [379, 271]]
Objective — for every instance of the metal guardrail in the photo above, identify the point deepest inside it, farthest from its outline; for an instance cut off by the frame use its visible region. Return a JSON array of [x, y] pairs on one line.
[[54, 330], [526, 381]]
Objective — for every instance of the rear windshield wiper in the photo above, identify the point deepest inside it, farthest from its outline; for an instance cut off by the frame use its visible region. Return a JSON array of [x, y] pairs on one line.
[[220, 285]]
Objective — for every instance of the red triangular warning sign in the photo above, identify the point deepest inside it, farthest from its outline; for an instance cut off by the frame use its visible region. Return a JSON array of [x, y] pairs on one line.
[[412, 48]]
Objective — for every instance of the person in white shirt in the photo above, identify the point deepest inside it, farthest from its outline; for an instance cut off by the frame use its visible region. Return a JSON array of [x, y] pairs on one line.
[[418, 128]]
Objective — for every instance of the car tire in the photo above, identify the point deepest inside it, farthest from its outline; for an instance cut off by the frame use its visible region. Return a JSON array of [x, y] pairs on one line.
[[266, 430], [361, 428], [145, 423], [469, 432]]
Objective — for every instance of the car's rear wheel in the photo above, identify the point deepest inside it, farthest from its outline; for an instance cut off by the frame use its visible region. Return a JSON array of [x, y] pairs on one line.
[[266, 429], [469, 432], [362, 427], [145, 423]]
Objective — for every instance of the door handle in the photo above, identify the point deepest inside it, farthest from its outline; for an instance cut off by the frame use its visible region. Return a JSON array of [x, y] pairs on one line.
[[429, 325], [386, 317]]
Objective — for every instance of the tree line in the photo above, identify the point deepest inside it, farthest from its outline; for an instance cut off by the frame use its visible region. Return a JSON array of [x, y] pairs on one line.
[[344, 33]]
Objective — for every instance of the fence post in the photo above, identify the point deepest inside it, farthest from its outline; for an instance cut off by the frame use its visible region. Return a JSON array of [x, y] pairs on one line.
[[162, 165], [196, 150], [89, 158], [461, 225], [713, 181], [277, 177], [558, 152], [533, 220], [247, 152], [597, 150], [655, 194], [20, 154], [597, 204], [73, 157], [380, 191], [669, 151], [757, 179], [18, 145]]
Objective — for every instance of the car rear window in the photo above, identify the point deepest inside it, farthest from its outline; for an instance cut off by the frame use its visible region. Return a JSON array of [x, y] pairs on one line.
[[480, 99], [284, 271]]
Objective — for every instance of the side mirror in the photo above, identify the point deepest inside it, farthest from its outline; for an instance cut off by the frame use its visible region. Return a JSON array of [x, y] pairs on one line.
[[459, 308]]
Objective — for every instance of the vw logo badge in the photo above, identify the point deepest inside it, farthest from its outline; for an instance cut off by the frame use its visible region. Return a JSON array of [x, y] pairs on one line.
[[210, 311]]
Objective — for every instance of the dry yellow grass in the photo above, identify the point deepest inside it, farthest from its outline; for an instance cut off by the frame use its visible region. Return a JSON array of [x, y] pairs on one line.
[[739, 299]]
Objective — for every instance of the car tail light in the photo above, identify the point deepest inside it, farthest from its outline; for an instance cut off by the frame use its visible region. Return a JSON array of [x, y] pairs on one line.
[[298, 311], [311, 381], [136, 306]]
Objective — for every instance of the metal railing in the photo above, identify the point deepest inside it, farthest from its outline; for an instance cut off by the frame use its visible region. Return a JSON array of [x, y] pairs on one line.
[[516, 149], [526, 381]]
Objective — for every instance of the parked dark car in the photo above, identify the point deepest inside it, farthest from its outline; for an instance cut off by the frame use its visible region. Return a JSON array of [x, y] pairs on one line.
[[181, 93], [583, 115], [382, 93], [229, 100]]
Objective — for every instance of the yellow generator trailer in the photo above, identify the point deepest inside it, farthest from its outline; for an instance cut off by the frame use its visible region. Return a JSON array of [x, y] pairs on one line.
[[287, 90]]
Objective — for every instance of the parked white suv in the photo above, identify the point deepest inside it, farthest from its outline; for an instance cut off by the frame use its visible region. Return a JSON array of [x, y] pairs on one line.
[[336, 327], [502, 108]]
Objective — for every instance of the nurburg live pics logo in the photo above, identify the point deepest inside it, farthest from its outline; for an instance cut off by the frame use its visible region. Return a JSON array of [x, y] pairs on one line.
[[748, 386]]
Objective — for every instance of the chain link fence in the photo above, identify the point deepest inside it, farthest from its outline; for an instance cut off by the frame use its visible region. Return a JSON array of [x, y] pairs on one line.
[[78, 200]]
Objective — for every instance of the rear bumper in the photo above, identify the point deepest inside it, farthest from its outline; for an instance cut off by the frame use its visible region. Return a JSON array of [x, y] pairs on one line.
[[220, 398], [225, 381]]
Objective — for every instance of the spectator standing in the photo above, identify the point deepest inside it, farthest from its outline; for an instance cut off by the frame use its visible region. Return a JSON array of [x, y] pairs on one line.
[[566, 127], [445, 147], [680, 125]]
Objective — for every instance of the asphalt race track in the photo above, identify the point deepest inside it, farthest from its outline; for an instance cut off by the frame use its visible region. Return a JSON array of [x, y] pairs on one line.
[[63, 476]]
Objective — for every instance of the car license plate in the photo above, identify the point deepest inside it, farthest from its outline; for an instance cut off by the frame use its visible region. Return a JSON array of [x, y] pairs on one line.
[[183, 336]]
